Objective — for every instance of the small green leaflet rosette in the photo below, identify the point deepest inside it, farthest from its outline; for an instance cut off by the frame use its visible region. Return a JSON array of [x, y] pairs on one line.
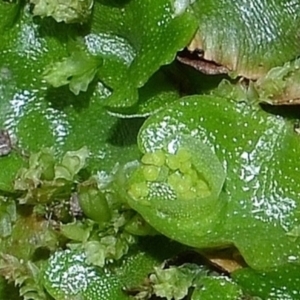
[[78, 70], [45, 178], [258, 207], [173, 183]]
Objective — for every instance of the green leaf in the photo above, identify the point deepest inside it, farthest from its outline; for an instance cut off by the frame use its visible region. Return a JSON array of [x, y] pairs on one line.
[[108, 248], [217, 287], [78, 70], [8, 14], [69, 11], [235, 35], [277, 283], [76, 231], [74, 161], [175, 179], [258, 205], [38, 117], [158, 92], [68, 276], [133, 48], [94, 205]]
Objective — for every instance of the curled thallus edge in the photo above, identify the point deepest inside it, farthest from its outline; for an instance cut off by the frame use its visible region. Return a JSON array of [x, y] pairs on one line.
[[169, 198]]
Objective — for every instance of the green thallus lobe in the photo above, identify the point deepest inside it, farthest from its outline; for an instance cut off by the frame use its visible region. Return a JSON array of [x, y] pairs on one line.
[[178, 186], [68, 276]]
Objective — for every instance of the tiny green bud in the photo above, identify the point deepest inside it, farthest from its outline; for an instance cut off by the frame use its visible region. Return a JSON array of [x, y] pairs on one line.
[[150, 172], [138, 190], [193, 173], [188, 181], [181, 184], [173, 180], [94, 204], [172, 162], [183, 155], [185, 166], [202, 189], [156, 158]]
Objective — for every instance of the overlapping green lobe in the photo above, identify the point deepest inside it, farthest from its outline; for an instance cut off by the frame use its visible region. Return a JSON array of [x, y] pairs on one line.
[[258, 206], [257, 209], [37, 116], [249, 39], [67, 273], [132, 47]]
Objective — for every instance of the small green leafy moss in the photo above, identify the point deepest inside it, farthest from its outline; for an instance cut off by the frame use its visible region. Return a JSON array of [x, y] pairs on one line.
[[26, 276], [78, 70], [108, 248], [190, 281], [174, 282], [8, 215], [277, 86], [45, 178]]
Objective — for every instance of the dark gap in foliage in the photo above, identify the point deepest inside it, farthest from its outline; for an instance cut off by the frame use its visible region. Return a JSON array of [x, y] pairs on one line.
[[125, 131]]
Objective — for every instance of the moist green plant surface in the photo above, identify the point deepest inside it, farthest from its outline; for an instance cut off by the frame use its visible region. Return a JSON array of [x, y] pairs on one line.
[[122, 171]]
